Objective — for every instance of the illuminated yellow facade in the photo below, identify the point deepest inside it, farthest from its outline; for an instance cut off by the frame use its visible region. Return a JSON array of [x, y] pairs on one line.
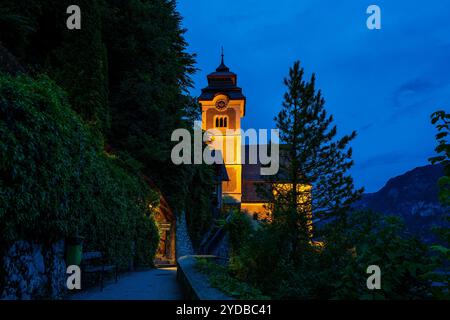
[[223, 106], [224, 123]]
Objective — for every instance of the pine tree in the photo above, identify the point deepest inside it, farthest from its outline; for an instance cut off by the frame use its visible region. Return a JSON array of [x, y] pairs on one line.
[[18, 20], [312, 160], [79, 64], [149, 76]]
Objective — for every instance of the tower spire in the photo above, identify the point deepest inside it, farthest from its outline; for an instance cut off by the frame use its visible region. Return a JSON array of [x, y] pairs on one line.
[[222, 67]]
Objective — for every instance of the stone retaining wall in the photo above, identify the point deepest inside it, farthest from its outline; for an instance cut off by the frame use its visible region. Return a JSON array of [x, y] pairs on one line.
[[183, 241], [195, 284], [33, 271]]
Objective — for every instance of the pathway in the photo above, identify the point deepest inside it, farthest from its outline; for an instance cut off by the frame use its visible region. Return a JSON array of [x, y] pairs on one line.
[[155, 284]]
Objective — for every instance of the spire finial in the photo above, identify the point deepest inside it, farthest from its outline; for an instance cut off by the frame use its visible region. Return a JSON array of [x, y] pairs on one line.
[[222, 67]]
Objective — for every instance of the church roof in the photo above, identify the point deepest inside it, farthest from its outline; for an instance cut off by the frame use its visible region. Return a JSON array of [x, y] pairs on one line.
[[251, 173], [223, 68], [222, 81]]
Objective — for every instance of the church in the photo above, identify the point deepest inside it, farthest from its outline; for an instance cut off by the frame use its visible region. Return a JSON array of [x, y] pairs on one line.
[[237, 177], [223, 106]]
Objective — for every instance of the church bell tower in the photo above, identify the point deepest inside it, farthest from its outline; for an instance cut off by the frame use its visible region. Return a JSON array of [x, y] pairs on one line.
[[223, 106]]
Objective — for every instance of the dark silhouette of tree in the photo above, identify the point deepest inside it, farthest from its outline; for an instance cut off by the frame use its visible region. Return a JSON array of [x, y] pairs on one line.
[[442, 121], [313, 161]]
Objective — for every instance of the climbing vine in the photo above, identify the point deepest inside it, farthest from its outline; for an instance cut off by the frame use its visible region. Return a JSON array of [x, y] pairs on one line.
[[56, 180]]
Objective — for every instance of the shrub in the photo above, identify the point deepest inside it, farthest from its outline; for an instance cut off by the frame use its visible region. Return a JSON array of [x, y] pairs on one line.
[[240, 229], [380, 240], [259, 259], [220, 278], [56, 180], [338, 269]]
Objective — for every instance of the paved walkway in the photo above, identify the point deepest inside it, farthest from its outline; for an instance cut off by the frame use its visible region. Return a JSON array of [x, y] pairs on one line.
[[155, 284]]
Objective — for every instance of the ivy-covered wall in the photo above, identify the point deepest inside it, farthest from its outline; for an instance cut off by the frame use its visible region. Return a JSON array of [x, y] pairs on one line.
[[56, 180]]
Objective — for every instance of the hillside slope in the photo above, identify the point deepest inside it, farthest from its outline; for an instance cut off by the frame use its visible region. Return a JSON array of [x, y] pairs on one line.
[[412, 196]]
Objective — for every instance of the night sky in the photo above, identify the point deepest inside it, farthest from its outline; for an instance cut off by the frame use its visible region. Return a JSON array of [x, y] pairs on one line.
[[382, 83]]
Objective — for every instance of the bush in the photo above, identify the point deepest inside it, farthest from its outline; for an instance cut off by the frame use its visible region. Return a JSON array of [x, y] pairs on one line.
[[240, 229], [147, 241], [220, 278], [338, 269], [56, 180], [258, 257], [380, 240]]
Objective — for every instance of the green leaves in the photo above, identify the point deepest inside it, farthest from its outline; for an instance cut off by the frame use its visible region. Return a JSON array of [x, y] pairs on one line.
[[441, 120], [382, 241], [441, 249], [56, 179], [240, 229], [221, 279]]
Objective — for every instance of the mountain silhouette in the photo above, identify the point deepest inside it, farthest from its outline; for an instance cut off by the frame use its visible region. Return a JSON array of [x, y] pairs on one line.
[[412, 196]]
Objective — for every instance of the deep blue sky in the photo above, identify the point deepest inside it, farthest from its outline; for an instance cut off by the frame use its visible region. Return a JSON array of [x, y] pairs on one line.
[[383, 83]]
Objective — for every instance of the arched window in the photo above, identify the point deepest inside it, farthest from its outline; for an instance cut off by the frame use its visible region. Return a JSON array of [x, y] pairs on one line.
[[221, 122]]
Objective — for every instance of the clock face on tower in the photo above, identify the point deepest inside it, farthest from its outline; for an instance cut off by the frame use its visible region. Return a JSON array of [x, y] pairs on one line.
[[221, 105]]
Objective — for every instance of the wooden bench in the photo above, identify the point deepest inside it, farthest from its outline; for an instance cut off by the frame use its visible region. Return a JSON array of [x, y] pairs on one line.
[[93, 262]]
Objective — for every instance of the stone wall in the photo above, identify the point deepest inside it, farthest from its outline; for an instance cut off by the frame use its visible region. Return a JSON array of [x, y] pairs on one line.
[[184, 243], [195, 284], [33, 271]]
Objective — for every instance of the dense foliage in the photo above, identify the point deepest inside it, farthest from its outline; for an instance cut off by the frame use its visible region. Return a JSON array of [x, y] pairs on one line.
[[198, 204], [220, 277], [36, 33], [126, 73], [338, 269], [56, 180]]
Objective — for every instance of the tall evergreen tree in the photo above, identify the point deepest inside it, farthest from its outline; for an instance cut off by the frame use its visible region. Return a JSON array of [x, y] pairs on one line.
[[313, 161], [79, 63], [36, 32], [18, 20], [149, 78]]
